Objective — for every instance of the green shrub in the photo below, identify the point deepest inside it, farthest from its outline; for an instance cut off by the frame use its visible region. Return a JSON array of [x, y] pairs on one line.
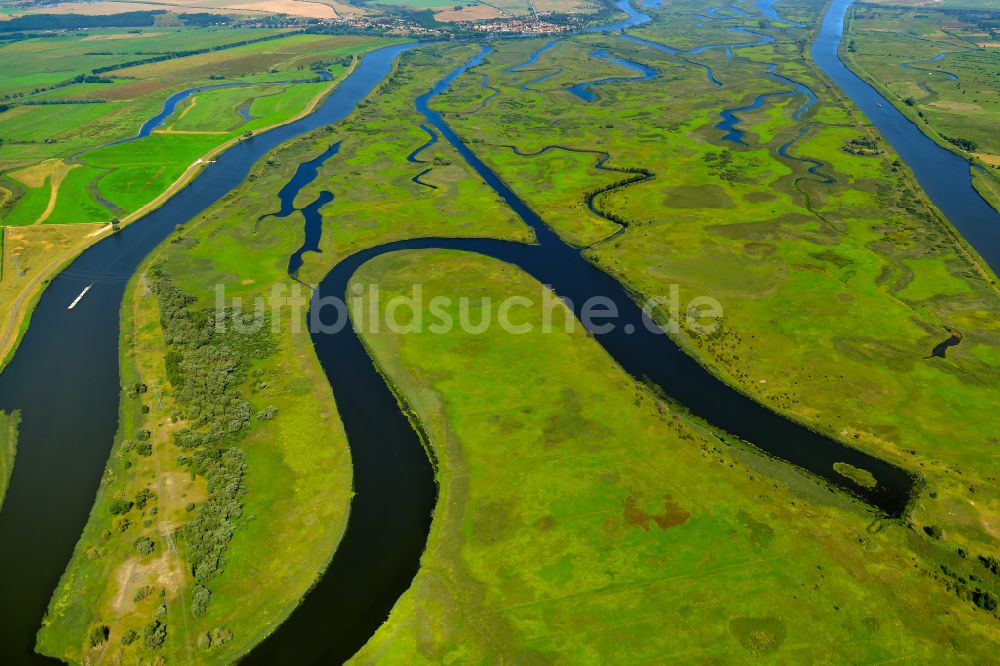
[[98, 635], [221, 636], [129, 637], [199, 600], [154, 634], [120, 507], [144, 545], [143, 497]]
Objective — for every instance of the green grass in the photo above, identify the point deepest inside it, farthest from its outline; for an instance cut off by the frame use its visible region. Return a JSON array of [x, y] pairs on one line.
[[629, 534], [860, 476], [833, 295], [988, 187], [8, 448]]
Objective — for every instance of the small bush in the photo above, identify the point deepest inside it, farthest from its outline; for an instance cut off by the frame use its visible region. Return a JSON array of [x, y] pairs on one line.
[[129, 637], [933, 531], [142, 593], [985, 600], [144, 449], [154, 634], [120, 507], [221, 635], [199, 602], [144, 545], [98, 635], [267, 414], [991, 563], [143, 497]]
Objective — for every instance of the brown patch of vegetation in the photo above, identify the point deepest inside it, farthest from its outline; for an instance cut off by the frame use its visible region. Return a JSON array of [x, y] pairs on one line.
[[759, 635], [129, 90], [672, 515]]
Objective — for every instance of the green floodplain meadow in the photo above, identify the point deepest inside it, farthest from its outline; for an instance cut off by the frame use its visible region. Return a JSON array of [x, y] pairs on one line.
[[581, 517], [8, 449]]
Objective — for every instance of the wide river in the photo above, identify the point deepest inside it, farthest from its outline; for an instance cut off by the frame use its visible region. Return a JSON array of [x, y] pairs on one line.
[[64, 379]]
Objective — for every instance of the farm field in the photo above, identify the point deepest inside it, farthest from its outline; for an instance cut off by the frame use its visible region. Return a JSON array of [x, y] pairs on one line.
[[940, 67], [245, 8], [108, 181], [55, 171], [581, 514]]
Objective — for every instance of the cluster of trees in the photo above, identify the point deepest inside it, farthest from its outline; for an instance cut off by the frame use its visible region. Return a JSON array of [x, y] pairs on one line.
[[862, 145], [98, 635], [204, 18], [73, 21], [972, 589], [987, 20], [143, 497], [79, 78], [722, 165], [154, 634], [47, 102], [964, 144], [215, 637], [322, 65], [200, 599], [206, 363]]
